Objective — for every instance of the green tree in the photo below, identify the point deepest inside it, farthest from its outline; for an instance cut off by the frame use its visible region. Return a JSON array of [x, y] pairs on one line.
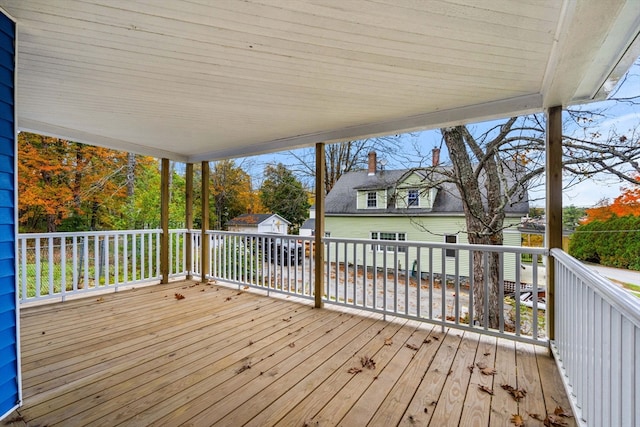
[[283, 194], [571, 217]]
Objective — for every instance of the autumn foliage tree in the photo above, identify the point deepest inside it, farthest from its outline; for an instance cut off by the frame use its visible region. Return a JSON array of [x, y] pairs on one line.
[[627, 203], [68, 186]]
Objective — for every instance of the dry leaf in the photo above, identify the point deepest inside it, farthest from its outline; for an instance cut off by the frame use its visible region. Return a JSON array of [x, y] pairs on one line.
[[354, 370], [561, 412], [179, 296], [227, 299], [427, 341], [471, 368], [485, 389], [517, 393], [243, 368], [100, 299], [487, 354], [388, 341], [517, 420], [287, 320], [554, 421], [367, 362], [536, 417], [412, 347], [435, 338], [485, 370], [292, 345]]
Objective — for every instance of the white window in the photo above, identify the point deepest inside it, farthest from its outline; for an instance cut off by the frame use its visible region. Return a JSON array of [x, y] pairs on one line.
[[372, 199], [413, 198], [450, 238], [394, 237]]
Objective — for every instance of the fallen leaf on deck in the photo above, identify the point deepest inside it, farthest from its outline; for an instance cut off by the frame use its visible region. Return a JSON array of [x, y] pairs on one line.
[[367, 362], [354, 370], [517, 393], [243, 368], [486, 370], [554, 421], [471, 368], [227, 299], [388, 341], [487, 354], [292, 345], [561, 412], [517, 420], [485, 389], [287, 319], [100, 299], [536, 417], [179, 296], [427, 341], [435, 338], [412, 347]]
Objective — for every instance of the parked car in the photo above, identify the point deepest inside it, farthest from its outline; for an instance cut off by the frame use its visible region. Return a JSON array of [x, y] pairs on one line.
[[285, 251]]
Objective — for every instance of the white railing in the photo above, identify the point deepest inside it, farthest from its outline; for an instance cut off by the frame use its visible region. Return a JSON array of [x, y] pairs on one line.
[[282, 264], [597, 344], [403, 279], [54, 265]]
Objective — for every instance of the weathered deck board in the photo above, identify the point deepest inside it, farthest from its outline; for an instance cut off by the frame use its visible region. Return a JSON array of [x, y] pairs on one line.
[[224, 357]]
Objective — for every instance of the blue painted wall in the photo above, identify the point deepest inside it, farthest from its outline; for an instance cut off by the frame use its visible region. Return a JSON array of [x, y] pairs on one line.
[[9, 393]]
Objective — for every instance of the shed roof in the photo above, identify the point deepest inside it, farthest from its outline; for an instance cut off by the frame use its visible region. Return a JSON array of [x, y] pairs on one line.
[[254, 219], [193, 81]]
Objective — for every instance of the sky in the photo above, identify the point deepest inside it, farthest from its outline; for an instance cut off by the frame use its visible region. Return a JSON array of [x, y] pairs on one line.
[[624, 117]]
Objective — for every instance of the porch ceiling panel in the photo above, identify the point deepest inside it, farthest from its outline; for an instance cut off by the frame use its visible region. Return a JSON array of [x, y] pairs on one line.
[[202, 80]]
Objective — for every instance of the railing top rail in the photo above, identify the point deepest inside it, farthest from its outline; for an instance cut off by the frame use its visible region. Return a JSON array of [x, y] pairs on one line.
[[271, 235], [87, 233], [627, 304]]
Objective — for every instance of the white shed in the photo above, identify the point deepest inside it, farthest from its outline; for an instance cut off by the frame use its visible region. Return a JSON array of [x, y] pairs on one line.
[[259, 223]]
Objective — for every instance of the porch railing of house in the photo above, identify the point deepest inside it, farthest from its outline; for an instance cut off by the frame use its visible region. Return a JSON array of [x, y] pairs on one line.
[[597, 327], [597, 344], [403, 279], [55, 265]]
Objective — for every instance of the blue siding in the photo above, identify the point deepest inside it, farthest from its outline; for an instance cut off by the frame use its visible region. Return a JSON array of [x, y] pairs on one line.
[[9, 365]]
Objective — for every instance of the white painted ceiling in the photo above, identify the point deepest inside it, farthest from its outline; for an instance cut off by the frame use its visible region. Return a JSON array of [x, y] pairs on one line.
[[195, 80]]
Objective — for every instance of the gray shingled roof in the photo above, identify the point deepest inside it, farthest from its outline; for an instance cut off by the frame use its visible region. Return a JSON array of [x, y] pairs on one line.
[[309, 224], [342, 197]]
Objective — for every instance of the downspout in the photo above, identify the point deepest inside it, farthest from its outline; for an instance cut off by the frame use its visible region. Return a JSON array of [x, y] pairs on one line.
[[318, 253], [553, 212]]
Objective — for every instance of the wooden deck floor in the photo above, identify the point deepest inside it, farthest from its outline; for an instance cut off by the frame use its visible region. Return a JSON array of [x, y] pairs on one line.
[[230, 358]]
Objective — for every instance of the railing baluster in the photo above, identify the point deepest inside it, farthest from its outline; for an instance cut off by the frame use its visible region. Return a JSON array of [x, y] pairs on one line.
[[63, 266], [50, 265]]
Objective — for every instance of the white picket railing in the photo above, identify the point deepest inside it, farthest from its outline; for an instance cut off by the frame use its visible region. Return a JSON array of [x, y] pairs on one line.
[[597, 344], [403, 279], [54, 265]]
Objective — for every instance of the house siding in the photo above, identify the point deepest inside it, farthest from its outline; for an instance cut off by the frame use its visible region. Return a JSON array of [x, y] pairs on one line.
[[9, 361], [430, 229]]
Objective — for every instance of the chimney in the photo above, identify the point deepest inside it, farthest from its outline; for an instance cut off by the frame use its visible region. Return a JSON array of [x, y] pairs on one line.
[[436, 156], [372, 163]]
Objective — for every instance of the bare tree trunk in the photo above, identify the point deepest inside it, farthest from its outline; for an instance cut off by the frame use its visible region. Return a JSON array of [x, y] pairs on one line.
[[480, 226], [131, 174]]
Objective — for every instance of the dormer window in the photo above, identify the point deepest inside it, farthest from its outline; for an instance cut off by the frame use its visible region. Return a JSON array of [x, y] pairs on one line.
[[413, 198], [372, 199]]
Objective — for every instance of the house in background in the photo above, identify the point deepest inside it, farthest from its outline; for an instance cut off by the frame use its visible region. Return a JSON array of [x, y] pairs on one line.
[[401, 205], [259, 223], [309, 225]]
